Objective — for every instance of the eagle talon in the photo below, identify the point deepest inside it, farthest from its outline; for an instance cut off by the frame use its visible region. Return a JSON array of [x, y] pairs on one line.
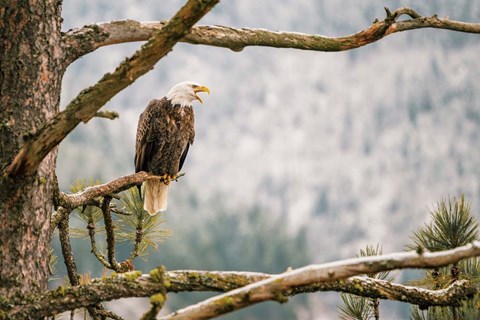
[[165, 179]]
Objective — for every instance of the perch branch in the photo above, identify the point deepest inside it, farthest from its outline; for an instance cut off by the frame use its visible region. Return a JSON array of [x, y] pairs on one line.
[[90, 100], [68, 202], [255, 287], [86, 39]]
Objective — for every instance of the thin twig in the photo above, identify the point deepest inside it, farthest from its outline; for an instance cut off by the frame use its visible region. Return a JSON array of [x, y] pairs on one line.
[[138, 241], [110, 230], [100, 257], [67, 252]]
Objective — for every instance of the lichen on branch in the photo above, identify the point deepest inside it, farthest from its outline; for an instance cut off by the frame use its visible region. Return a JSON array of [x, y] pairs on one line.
[[247, 288]]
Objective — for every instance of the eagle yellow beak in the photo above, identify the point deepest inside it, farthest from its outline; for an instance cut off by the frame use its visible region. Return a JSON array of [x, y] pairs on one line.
[[200, 89]]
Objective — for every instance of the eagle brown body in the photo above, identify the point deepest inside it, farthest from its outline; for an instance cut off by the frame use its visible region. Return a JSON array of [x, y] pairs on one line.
[[164, 134]]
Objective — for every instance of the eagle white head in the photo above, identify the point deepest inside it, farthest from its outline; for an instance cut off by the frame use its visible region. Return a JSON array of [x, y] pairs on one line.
[[183, 93]]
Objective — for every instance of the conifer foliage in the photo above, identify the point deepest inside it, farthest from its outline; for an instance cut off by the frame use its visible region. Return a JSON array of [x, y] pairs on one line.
[[451, 225]]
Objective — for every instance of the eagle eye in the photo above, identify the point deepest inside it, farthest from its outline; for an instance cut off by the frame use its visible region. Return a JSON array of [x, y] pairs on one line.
[[194, 86]]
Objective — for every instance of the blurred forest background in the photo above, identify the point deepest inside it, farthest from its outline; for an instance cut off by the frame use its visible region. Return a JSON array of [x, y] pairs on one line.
[[300, 157]]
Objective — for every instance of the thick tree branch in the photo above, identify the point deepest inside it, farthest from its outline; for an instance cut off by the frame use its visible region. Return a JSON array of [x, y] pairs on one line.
[[90, 100], [255, 287], [88, 38], [277, 287]]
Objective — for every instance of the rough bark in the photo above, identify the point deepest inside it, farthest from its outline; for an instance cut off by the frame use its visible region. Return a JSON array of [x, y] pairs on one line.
[[30, 76]]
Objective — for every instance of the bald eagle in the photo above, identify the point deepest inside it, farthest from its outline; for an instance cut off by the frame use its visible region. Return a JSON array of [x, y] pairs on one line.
[[165, 132]]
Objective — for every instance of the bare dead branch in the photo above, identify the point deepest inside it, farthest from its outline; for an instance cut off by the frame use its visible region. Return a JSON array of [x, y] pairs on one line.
[[90, 100], [277, 287], [255, 287], [88, 38]]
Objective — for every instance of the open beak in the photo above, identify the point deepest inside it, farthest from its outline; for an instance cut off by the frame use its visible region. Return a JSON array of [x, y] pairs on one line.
[[201, 89]]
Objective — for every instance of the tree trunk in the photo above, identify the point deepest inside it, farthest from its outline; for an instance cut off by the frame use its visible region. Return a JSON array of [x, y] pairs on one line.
[[31, 69]]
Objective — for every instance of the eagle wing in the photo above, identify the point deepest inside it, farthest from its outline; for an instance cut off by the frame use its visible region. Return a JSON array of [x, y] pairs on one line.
[[184, 156], [190, 136], [150, 138]]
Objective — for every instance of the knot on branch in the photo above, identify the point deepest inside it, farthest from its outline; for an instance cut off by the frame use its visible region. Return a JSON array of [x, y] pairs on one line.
[[126, 266]]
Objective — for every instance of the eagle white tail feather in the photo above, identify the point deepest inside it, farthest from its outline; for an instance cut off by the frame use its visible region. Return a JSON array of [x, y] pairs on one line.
[[156, 196]]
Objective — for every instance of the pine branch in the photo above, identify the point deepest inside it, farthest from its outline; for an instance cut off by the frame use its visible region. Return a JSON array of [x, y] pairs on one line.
[[86, 39], [256, 287], [90, 100]]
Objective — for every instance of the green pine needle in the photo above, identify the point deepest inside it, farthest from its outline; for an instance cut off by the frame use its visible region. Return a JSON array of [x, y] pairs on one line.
[[360, 308], [451, 226], [418, 314], [87, 213], [376, 251], [140, 219], [355, 308]]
